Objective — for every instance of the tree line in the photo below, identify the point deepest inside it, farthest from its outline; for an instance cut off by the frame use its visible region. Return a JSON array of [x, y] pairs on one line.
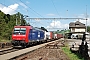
[[7, 22]]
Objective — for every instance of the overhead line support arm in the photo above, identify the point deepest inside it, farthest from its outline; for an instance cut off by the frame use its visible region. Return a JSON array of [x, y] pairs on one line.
[[53, 18]]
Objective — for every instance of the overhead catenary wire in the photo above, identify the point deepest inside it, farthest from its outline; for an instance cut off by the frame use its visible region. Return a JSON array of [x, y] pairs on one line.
[[23, 6], [34, 12], [9, 7], [55, 7], [42, 16], [86, 18], [26, 5], [12, 9], [54, 18], [32, 9]]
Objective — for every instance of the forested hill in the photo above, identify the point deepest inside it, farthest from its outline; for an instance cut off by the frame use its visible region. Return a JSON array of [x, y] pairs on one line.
[[7, 22]]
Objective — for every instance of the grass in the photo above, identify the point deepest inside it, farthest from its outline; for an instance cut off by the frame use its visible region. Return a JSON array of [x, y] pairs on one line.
[[71, 55]]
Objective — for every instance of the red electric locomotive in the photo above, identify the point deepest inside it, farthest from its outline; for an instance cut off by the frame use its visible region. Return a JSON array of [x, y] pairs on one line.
[[26, 35]]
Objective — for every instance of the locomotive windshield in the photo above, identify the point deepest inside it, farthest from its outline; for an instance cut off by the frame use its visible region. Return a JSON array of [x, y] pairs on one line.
[[21, 31]]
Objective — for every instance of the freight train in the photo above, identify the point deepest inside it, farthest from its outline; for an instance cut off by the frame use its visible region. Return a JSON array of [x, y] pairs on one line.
[[27, 35]]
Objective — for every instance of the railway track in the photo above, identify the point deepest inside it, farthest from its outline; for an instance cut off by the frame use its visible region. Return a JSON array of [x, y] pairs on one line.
[[8, 50], [49, 51], [19, 53], [5, 45]]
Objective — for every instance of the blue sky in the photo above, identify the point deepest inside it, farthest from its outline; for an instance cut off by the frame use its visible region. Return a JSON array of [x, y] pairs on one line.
[[48, 9]]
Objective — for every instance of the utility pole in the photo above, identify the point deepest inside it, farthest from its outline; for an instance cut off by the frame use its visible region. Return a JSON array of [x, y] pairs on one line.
[[67, 13], [86, 18], [20, 19], [16, 19]]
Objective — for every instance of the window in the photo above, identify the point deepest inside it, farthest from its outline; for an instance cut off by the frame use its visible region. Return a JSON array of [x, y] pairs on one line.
[[77, 25], [21, 31]]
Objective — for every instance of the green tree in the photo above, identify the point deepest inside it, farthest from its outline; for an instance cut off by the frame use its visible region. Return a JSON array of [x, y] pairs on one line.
[[7, 22], [88, 28], [43, 29]]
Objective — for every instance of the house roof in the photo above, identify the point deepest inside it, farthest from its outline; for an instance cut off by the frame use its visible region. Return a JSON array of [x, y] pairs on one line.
[[77, 24]]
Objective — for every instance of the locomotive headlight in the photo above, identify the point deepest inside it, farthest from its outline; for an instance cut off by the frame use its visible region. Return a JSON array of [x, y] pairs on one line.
[[14, 35]]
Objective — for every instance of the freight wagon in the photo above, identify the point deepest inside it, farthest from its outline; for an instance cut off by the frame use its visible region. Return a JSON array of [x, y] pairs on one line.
[[58, 36]]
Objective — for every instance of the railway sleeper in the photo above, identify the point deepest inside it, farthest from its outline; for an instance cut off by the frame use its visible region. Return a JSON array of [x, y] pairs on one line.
[[4, 45], [52, 46]]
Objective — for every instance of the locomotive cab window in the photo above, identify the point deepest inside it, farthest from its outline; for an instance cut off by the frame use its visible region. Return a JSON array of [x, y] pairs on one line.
[[21, 31]]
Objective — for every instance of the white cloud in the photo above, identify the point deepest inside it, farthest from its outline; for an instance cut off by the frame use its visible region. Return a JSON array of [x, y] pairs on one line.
[[58, 24], [9, 9], [22, 4], [84, 21], [1, 6]]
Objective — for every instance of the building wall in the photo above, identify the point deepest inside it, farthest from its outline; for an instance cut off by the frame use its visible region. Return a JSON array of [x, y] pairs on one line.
[[77, 29], [72, 29]]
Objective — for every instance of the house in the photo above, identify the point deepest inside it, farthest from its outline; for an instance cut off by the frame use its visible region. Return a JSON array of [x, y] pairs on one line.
[[77, 29]]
